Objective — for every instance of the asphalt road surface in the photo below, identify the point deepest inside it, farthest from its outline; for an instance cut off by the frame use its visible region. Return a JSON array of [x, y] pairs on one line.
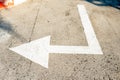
[[35, 19]]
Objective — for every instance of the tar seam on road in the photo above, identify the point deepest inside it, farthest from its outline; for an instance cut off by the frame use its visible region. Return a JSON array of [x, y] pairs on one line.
[[34, 25]]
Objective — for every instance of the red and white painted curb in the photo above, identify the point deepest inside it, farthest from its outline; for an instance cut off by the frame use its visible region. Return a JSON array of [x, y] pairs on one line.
[[10, 3]]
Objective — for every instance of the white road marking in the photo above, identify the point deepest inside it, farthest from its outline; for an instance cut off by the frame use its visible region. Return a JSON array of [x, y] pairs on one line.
[[89, 31], [38, 50], [16, 2]]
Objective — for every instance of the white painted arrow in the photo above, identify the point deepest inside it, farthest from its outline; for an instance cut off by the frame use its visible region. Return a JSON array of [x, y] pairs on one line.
[[38, 50]]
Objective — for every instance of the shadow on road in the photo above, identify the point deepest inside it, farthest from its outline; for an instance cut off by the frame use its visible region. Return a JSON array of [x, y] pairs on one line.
[[113, 3], [7, 27]]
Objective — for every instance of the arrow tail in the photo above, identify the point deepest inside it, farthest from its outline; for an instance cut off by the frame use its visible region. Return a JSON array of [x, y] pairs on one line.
[[69, 49], [89, 31]]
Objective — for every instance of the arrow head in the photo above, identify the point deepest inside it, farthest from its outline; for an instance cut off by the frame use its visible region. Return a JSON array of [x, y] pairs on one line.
[[36, 51]]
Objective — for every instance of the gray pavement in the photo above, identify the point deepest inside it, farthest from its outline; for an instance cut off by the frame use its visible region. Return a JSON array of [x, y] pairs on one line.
[[35, 19]]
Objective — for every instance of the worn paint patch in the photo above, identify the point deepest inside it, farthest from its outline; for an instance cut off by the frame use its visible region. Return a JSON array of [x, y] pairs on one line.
[[4, 36]]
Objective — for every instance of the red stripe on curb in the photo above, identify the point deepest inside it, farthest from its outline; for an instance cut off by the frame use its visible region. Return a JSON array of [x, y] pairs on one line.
[[2, 5]]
